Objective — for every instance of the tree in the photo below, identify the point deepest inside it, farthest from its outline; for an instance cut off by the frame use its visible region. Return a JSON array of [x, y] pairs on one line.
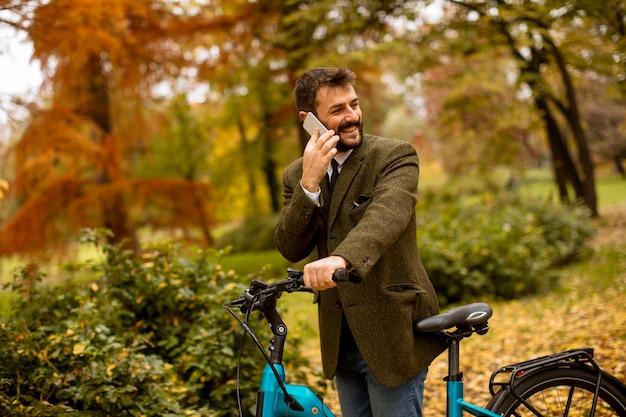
[[75, 161], [540, 52], [545, 40], [101, 124]]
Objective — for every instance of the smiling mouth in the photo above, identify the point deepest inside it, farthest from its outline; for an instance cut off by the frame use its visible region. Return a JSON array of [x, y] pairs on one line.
[[350, 128]]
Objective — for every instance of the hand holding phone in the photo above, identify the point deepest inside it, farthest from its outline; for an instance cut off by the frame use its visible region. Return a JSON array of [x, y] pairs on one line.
[[317, 153], [311, 122]]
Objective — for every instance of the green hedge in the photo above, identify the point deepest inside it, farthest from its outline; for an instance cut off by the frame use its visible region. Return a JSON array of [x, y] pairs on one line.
[[149, 337], [502, 246]]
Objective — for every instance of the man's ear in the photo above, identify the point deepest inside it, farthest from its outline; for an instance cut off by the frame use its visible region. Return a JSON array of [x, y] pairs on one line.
[[302, 115]]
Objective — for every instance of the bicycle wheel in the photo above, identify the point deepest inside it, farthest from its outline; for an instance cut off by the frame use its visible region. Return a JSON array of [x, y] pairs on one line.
[[566, 392]]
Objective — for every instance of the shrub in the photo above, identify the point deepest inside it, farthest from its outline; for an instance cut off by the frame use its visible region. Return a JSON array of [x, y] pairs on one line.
[[149, 337], [499, 245]]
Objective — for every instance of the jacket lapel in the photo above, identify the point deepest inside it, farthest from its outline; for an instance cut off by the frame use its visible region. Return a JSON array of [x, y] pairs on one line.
[[348, 172]]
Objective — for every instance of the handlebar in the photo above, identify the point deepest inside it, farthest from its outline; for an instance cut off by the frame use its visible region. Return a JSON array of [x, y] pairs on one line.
[[260, 293], [262, 296], [343, 275]]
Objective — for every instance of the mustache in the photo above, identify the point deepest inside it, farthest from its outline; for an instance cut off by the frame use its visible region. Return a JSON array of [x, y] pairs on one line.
[[348, 125]]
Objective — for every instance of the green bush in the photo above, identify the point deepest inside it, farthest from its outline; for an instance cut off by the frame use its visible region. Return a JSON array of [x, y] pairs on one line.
[[501, 246], [254, 235], [149, 337]]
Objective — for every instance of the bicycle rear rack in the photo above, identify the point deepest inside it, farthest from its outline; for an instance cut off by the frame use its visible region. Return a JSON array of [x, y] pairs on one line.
[[566, 359]]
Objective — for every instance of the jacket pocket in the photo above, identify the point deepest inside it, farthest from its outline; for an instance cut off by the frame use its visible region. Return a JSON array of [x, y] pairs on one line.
[[404, 292], [361, 202]]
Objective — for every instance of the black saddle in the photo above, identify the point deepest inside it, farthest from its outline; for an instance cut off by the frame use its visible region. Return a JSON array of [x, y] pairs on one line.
[[473, 315]]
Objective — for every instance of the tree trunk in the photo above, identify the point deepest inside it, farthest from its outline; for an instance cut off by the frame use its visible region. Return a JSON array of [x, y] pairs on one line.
[[202, 216], [559, 154], [94, 105], [586, 177], [269, 165], [617, 160]]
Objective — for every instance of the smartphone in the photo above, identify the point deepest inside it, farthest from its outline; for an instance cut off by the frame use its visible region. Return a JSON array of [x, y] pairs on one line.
[[311, 122]]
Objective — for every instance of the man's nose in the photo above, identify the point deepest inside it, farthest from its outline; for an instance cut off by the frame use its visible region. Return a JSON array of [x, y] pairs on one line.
[[352, 115]]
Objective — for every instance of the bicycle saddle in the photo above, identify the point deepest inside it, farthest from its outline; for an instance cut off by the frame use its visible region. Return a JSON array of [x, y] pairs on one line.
[[475, 314]]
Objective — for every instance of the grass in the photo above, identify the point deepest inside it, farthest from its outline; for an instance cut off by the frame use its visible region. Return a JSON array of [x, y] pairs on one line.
[[610, 188], [270, 262]]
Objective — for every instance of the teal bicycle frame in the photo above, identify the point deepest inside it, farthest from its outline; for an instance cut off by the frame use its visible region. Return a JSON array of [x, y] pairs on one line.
[[454, 381], [271, 399], [276, 398]]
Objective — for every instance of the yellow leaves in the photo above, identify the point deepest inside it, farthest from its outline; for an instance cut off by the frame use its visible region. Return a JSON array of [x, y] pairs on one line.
[[43, 354], [4, 187], [122, 355], [177, 390], [78, 349], [524, 329], [230, 286], [110, 369], [94, 287]]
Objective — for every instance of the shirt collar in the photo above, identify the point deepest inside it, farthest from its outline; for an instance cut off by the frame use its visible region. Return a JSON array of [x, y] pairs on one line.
[[342, 156]]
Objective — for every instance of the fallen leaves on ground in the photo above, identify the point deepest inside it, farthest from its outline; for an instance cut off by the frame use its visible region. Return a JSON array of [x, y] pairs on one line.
[[576, 316]]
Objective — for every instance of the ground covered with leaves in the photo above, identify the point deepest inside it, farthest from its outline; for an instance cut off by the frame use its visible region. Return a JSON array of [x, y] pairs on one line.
[[587, 311]]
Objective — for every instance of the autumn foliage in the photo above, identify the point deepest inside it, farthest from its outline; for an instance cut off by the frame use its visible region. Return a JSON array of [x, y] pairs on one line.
[[484, 84], [76, 157]]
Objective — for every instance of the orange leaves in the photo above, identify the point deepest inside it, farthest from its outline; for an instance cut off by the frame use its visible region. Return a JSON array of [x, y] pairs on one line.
[[4, 188], [37, 221], [172, 202]]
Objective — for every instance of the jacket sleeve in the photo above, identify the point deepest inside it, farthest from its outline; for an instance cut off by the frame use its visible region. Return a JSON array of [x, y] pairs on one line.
[[296, 231]]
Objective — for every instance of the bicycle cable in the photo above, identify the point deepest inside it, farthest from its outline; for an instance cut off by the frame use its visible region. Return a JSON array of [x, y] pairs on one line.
[[288, 397], [238, 376]]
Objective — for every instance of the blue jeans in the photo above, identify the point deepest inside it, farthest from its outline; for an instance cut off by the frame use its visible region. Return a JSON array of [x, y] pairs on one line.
[[361, 395]]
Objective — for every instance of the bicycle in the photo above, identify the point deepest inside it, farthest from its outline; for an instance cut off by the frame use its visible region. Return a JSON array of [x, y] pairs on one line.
[[568, 383]]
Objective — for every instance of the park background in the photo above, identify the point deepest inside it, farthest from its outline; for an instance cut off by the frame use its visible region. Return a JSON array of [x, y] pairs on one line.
[[168, 123]]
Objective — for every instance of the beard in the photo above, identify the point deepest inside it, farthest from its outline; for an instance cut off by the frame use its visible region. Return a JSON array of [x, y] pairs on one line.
[[347, 144]]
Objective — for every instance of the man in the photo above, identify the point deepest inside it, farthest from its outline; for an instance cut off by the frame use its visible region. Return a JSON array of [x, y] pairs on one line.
[[367, 225]]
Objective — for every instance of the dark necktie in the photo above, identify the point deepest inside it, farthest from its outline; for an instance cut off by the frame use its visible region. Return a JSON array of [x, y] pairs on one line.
[[333, 178]]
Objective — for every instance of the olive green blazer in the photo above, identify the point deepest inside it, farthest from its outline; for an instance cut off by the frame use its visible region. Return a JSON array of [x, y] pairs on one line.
[[371, 222]]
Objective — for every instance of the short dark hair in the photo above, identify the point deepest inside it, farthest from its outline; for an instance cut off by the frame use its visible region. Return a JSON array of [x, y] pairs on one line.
[[311, 81]]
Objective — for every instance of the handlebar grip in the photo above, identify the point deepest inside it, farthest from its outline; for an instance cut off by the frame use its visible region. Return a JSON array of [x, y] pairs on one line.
[[343, 275]]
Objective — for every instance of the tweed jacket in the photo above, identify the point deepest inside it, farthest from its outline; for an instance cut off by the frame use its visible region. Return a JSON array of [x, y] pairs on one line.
[[370, 221]]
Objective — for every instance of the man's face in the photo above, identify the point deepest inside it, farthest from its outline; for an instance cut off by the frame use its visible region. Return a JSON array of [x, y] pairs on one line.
[[338, 109]]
